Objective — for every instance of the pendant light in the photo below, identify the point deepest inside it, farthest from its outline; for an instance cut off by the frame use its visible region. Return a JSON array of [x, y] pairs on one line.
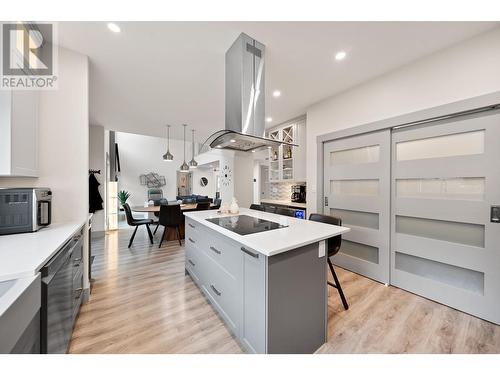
[[168, 156], [184, 167], [193, 163]]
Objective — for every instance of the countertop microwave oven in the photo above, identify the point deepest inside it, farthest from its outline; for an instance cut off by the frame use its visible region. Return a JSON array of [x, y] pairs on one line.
[[24, 210]]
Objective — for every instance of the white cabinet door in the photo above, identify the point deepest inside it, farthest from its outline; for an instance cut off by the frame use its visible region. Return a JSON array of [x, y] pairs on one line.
[[25, 133], [253, 328], [19, 130]]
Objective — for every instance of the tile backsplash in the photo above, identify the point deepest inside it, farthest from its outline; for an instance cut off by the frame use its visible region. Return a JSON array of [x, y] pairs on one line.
[[281, 190]]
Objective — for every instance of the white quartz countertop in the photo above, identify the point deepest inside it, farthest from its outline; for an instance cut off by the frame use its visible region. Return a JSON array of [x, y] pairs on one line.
[[298, 233], [23, 255], [284, 203]]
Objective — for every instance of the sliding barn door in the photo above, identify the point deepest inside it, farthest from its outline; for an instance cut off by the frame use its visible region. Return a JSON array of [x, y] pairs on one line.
[[445, 182], [357, 189]]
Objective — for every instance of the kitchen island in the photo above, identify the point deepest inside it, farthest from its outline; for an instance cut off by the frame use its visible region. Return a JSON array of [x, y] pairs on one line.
[[265, 274]]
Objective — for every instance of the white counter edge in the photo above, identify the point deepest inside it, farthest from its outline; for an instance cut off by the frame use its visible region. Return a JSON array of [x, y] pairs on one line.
[[336, 230]]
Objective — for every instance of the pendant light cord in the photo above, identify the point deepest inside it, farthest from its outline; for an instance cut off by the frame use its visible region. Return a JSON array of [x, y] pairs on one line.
[[184, 142], [192, 141], [168, 137]]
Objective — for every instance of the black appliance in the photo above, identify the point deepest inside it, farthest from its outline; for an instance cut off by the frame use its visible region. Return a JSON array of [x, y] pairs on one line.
[[62, 287], [244, 224], [24, 209], [298, 194]]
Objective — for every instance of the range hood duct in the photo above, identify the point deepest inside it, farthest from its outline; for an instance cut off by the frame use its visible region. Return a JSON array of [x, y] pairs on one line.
[[245, 99]]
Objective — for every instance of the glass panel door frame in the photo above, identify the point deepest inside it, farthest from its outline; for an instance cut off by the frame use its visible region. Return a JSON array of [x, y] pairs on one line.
[[362, 169], [450, 270]]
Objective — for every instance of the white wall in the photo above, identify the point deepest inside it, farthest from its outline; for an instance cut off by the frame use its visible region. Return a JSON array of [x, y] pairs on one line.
[[63, 141], [208, 190], [243, 178], [140, 154], [466, 70], [97, 161]]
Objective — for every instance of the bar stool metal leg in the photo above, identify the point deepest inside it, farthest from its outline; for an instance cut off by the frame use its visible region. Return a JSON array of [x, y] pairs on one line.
[[337, 285]]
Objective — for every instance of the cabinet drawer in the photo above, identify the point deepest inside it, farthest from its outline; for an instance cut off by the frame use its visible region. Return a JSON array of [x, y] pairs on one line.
[[193, 264], [77, 292], [223, 291], [226, 253], [192, 226]]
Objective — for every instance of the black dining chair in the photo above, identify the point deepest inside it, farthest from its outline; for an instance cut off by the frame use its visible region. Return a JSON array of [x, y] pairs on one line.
[[285, 211], [157, 214], [137, 223], [202, 206], [333, 248], [257, 207], [171, 217], [217, 203]]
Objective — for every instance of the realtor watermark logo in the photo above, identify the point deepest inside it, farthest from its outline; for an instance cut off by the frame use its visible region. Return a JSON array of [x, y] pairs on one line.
[[29, 56]]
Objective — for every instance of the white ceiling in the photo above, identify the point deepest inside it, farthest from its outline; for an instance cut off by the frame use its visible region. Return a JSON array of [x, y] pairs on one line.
[[154, 73]]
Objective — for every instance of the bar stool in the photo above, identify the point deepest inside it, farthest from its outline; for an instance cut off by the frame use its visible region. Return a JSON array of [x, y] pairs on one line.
[[333, 248]]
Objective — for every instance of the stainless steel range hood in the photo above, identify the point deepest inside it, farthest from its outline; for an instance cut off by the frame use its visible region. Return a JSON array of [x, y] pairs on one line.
[[245, 98]]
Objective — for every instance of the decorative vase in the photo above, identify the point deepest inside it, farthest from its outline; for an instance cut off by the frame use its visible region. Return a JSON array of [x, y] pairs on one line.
[[234, 208]]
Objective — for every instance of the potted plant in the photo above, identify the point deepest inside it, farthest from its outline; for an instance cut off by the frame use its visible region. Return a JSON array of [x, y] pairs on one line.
[[123, 195]]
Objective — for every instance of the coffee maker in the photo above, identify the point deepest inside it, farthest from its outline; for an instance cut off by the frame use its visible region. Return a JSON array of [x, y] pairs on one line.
[[298, 194]]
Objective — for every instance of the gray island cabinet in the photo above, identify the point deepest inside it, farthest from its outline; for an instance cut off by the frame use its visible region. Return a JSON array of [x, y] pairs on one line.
[[268, 287]]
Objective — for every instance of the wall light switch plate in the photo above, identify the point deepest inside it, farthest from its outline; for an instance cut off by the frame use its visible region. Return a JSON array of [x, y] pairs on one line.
[[322, 249]]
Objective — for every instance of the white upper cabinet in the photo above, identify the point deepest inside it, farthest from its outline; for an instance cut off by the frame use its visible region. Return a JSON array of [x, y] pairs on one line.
[[19, 133], [287, 162]]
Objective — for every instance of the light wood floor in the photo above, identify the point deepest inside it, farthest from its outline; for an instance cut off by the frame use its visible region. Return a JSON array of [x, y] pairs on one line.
[[142, 302]]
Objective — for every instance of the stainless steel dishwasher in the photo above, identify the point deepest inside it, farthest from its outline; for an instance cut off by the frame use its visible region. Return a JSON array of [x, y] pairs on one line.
[[58, 298]]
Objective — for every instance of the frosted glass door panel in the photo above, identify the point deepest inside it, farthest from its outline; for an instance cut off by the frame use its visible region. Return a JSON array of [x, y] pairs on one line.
[[357, 218], [360, 251], [462, 233], [354, 187], [457, 277], [367, 154], [470, 143], [471, 188]]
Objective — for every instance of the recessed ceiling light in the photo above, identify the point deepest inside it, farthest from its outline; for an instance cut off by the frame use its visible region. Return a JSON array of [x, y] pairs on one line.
[[114, 27], [253, 150], [269, 119], [277, 93], [232, 140], [340, 55]]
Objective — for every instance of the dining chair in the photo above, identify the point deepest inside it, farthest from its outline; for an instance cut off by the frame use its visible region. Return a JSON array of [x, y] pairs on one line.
[[217, 203], [333, 248], [137, 223], [157, 214], [202, 206], [171, 217]]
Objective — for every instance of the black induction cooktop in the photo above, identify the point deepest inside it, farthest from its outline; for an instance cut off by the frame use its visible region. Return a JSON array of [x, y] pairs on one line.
[[244, 224]]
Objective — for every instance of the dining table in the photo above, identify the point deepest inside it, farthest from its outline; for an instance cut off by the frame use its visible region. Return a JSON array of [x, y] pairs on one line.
[[185, 207]]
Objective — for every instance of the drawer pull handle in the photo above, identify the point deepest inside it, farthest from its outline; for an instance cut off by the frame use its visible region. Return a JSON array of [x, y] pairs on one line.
[[251, 253], [190, 239], [215, 250], [76, 265], [191, 262], [191, 225], [79, 291], [215, 290]]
